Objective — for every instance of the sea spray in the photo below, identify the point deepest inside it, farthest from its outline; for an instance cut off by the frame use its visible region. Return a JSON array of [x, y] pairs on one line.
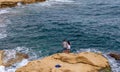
[[11, 54], [31, 52], [4, 11], [13, 67], [115, 65], [8, 55], [22, 49], [88, 50], [52, 3]]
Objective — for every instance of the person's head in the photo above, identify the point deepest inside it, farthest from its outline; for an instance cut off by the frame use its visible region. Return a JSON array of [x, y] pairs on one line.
[[64, 40]]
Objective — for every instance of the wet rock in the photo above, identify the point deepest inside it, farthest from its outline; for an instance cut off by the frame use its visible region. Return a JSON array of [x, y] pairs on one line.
[[116, 56], [6, 61]]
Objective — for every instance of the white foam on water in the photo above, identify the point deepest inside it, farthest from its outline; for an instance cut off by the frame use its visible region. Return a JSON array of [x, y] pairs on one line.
[[4, 11], [22, 49], [89, 50], [33, 54], [2, 69], [113, 63], [50, 3], [46, 4], [15, 66], [9, 54], [22, 63], [2, 35]]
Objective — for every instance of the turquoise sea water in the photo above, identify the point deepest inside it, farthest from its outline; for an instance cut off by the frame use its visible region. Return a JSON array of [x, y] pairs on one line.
[[40, 28]]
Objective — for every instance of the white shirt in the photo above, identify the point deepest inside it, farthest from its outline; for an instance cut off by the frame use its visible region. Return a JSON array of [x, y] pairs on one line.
[[66, 45]]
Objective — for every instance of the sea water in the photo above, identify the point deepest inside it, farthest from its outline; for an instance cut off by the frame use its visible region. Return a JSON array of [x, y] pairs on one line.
[[39, 29]]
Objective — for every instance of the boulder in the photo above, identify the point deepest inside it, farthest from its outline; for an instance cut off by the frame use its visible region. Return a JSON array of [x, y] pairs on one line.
[[5, 4], [116, 56], [63, 62], [13, 3], [6, 61]]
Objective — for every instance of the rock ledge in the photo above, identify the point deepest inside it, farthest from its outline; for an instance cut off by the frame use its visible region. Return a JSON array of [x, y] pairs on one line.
[[13, 3], [62, 62]]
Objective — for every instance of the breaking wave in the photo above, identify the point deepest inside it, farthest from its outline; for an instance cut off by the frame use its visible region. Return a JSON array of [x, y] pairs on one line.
[[9, 54], [4, 11], [14, 67], [115, 65]]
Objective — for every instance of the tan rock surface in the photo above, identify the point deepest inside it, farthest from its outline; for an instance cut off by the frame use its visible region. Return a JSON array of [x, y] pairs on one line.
[[1, 56], [12, 3], [82, 62]]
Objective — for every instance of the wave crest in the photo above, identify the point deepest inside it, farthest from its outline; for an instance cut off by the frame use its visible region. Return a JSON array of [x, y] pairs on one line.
[[4, 11]]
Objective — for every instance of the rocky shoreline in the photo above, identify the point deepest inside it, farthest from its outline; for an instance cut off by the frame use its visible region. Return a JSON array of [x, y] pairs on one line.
[[13, 3], [59, 62], [63, 62], [7, 59]]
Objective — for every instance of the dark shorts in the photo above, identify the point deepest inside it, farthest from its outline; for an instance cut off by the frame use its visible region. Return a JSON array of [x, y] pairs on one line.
[[65, 49]]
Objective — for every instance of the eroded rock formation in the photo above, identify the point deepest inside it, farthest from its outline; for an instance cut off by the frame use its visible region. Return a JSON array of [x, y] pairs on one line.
[[13, 3], [62, 62]]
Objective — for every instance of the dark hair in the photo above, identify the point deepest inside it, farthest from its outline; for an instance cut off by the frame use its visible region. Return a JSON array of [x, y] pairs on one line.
[[68, 42]]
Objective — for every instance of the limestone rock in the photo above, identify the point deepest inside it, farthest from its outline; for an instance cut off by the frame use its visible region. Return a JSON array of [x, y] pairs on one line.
[[13, 3], [1, 57], [82, 62]]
